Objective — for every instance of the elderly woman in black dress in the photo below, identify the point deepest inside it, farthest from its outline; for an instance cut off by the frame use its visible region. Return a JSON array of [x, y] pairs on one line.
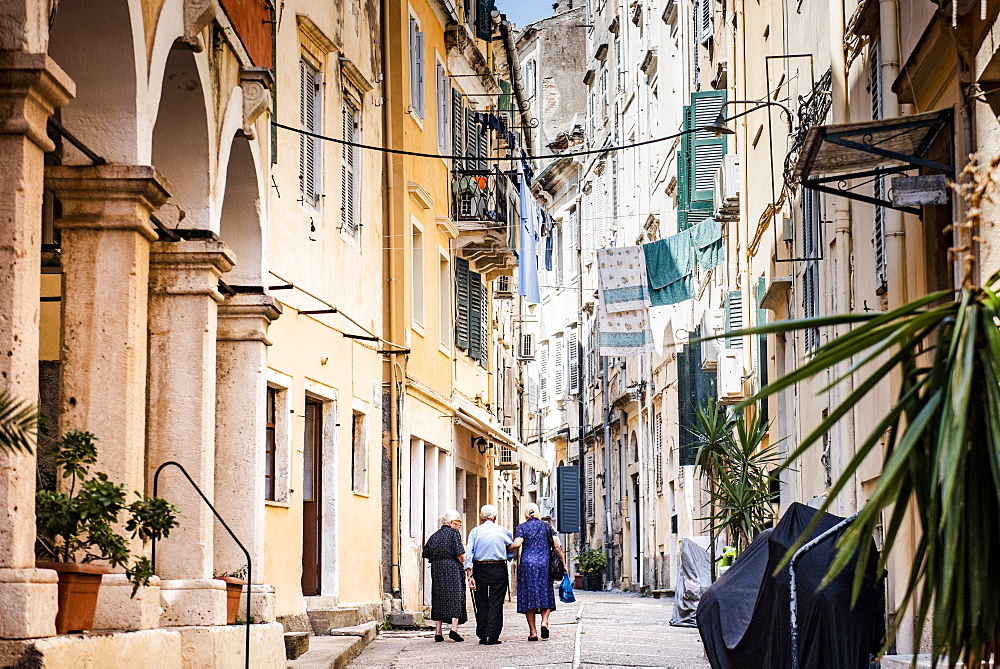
[[446, 553]]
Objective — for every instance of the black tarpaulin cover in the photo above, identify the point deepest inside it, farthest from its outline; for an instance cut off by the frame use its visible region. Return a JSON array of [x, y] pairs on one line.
[[744, 618], [693, 578]]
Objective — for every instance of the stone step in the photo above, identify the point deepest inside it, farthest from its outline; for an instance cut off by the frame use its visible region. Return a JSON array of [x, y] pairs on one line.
[[406, 619], [337, 649], [324, 620], [296, 644]]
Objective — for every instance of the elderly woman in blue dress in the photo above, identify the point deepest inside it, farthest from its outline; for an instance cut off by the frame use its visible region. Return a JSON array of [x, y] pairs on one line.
[[446, 553], [534, 587]]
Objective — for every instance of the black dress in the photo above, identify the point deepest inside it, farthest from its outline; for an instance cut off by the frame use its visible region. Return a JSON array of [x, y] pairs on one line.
[[447, 575]]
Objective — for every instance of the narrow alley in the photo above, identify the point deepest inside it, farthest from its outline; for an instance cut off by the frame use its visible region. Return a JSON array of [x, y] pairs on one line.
[[599, 629]]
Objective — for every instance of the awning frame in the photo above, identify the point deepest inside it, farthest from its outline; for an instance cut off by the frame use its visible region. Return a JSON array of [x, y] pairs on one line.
[[861, 139]]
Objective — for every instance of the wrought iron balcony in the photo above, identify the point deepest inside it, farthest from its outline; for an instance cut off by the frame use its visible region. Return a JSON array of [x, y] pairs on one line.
[[482, 196]]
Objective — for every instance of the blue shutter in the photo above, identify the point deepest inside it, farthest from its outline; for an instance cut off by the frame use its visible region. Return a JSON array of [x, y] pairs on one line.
[[568, 499]]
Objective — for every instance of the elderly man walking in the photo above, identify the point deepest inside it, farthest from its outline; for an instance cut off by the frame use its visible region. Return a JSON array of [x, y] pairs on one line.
[[486, 567]]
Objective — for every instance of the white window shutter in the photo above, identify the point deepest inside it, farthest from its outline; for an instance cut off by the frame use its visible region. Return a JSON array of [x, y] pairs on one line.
[[543, 378], [707, 27], [348, 172], [560, 366], [600, 241], [309, 115]]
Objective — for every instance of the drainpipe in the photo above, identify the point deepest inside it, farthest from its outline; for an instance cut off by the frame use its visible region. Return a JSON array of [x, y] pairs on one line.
[[582, 383], [842, 226], [895, 235], [608, 532], [510, 50]]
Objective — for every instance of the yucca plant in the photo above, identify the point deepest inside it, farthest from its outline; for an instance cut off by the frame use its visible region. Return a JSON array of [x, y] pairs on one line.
[[18, 420], [942, 449]]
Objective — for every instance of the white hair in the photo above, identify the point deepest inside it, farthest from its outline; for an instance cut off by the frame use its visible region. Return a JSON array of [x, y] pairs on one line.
[[488, 512], [450, 515], [531, 510]]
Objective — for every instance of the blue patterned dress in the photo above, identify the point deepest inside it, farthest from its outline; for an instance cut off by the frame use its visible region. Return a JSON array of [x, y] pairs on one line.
[[534, 588]]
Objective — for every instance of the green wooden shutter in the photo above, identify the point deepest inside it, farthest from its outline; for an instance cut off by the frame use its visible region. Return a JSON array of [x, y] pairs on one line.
[[462, 303], [684, 174], [457, 128], [761, 346], [734, 317], [707, 149], [475, 332]]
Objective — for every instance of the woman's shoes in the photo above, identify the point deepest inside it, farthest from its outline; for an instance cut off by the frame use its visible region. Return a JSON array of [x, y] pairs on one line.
[[532, 638], [545, 632], [454, 636], [438, 637]]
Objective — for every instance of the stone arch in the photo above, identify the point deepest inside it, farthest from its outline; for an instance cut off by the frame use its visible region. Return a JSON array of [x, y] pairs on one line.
[[240, 222], [181, 148], [101, 46]]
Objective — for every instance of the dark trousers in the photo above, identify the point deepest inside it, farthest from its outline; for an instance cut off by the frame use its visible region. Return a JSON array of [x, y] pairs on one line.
[[491, 589]]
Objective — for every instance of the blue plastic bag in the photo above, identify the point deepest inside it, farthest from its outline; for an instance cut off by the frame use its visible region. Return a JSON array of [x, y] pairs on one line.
[[566, 590]]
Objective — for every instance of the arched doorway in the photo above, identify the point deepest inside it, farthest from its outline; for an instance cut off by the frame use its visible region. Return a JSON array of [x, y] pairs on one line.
[[240, 226]]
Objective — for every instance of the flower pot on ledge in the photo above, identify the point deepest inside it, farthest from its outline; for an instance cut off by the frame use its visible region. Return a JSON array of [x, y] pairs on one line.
[[234, 589], [78, 588]]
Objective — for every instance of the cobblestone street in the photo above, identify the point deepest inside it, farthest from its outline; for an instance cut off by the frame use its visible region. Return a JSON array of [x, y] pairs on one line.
[[605, 629]]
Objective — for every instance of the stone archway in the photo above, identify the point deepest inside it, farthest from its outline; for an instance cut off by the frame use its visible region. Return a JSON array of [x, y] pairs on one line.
[[242, 210]]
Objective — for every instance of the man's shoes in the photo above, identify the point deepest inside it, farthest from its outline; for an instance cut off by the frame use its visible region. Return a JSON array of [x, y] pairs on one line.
[[454, 636], [493, 642], [484, 641], [438, 637]]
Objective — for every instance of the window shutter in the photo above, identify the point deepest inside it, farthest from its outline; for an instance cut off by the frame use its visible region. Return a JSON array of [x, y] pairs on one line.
[[734, 317], [658, 447], [560, 366], [573, 348], [707, 27], [457, 127], [762, 346], [568, 498], [684, 174], [599, 214], [348, 193], [810, 269], [441, 93], [420, 74], [588, 229], [476, 351], [309, 121], [543, 378], [708, 150], [462, 303], [878, 186], [414, 67], [484, 321]]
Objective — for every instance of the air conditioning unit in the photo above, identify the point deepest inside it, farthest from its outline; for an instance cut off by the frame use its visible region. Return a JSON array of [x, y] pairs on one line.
[[713, 322], [502, 289], [546, 507], [526, 350], [728, 184], [729, 379]]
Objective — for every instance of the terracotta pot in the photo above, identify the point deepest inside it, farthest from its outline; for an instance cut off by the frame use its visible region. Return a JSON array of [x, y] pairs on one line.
[[78, 587], [234, 589]]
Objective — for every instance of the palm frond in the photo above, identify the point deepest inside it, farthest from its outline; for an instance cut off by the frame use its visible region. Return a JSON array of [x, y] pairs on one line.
[[18, 420]]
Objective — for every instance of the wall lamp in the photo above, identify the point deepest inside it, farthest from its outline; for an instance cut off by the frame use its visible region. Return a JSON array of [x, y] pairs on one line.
[[718, 126]]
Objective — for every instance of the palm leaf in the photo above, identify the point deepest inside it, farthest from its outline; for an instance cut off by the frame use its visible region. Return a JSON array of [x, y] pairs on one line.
[[18, 420]]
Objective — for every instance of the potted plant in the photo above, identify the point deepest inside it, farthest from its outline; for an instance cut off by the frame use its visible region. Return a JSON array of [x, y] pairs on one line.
[[76, 527], [235, 580], [591, 564]]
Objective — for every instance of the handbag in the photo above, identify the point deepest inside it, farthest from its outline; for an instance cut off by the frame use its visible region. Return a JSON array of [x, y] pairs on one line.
[[556, 571]]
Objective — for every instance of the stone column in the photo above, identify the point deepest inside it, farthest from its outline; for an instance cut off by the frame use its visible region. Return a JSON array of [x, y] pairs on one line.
[[106, 234], [31, 87], [240, 425], [183, 303]]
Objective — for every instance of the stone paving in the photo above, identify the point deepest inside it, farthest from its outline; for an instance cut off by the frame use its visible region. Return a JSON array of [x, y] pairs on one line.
[[600, 629]]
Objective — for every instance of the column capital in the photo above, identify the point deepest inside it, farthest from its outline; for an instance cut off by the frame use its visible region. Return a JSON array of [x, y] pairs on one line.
[[189, 267], [32, 86], [245, 317], [108, 197]]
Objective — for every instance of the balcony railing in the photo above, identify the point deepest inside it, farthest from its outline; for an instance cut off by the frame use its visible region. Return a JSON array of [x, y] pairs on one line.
[[482, 196]]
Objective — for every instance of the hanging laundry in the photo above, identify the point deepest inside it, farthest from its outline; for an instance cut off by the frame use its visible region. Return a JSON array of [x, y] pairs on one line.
[[668, 269], [622, 274], [623, 333], [706, 237], [527, 268]]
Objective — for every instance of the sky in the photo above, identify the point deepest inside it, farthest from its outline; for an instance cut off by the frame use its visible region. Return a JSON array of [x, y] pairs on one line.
[[523, 12]]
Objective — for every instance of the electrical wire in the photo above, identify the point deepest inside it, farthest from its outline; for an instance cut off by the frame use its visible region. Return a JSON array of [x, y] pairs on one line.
[[418, 154]]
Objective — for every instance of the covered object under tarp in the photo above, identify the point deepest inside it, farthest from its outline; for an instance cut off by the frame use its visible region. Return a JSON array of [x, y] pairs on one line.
[[744, 618], [693, 579]]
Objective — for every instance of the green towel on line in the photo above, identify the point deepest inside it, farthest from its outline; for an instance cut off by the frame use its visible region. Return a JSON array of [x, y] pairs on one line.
[[673, 293], [668, 260]]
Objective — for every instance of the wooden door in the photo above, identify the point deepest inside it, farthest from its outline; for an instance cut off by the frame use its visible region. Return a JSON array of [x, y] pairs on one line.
[[312, 496]]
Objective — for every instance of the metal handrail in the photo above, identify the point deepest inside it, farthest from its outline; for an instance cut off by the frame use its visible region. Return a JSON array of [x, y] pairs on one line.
[[156, 482], [793, 596]]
